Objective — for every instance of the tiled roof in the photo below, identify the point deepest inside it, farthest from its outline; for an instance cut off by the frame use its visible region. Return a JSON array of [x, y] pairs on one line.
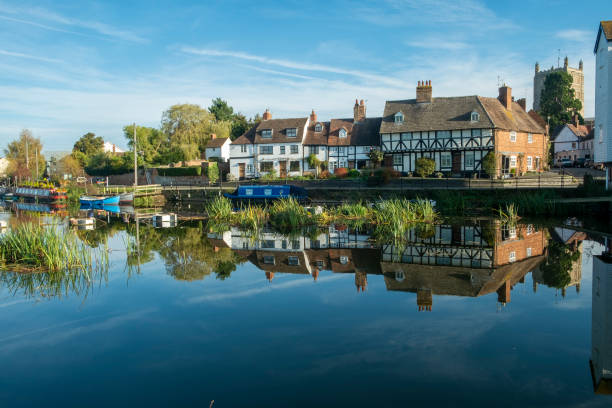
[[216, 142], [279, 130], [317, 138], [580, 131], [451, 113], [514, 119], [454, 113], [247, 137]]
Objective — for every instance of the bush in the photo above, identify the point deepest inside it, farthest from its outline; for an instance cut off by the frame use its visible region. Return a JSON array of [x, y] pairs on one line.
[[425, 166], [489, 164], [439, 174], [354, 173], [341, 172], [181, 171], [324, 174], [212, 172]]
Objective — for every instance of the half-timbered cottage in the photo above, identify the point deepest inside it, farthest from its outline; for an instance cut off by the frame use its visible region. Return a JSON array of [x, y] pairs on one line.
[[458, 132]]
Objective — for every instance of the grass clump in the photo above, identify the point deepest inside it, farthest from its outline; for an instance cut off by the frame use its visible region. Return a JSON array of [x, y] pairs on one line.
[[219, 209], [250, 218], [509, 215], [33, 247], [289, 213]]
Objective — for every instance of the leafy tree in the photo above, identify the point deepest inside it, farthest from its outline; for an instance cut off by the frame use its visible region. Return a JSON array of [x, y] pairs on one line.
[[556, 270], [22, 153], [105, 164], [151, 142], [240, 124], [558, 101], [424, 166], [89, 144], [314, 163], [189, 126], [221, 110], [70, 165], [212, 172], [80, 157], [489, 164], [376, 156]]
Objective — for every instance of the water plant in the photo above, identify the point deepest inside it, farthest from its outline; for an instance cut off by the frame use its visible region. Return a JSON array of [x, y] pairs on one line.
[[509, 215], [219, 209], [251, 218], [289, 213]]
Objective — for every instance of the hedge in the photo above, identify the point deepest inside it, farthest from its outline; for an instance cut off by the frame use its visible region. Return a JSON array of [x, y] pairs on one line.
[[180, 171]]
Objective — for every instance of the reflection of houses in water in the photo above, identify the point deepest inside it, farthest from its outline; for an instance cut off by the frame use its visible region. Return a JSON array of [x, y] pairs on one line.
[[601, 327], [469, 260], [574, 239]]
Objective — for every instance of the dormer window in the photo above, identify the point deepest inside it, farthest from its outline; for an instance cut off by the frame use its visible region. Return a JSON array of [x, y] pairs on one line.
[[342, 132], [474, 117], [318, 127], [292, 132], [267, 133], [398, 117]]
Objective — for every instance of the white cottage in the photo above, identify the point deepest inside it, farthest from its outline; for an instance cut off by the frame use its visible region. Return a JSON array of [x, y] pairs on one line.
[[273, 145], [218, 147], [572, 141], [603, 95]]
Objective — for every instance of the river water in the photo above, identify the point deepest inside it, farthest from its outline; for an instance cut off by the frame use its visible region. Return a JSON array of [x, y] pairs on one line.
[[468, 314]]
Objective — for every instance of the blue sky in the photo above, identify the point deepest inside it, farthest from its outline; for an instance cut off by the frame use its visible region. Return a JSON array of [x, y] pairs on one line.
[[69, 67]]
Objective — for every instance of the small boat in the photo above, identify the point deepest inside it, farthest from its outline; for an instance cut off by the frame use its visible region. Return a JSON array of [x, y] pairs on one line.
[[42, 194], [96, 201], [267, 192], [126, 198]]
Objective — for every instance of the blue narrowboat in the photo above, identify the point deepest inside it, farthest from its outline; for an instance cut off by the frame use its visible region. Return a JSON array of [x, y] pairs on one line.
[[93, 201], [267, 192]]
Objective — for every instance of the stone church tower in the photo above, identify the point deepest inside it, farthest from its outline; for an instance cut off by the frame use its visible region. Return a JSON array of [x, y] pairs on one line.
[[577, 76]]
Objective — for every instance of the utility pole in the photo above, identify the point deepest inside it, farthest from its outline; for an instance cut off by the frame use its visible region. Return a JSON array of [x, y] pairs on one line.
[[135, 160]]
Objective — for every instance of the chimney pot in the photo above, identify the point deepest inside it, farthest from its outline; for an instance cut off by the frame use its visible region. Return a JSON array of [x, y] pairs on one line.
[[424, 92], [359, 111], [213, 136], [505, 96], [267, 115], [313, 116]]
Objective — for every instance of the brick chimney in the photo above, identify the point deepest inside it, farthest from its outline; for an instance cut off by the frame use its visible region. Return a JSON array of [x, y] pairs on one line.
[[424, 92], [424, 299], [213, 136], [359, 111], [313, 116], [523, 103], [267, 115], [505, 96]]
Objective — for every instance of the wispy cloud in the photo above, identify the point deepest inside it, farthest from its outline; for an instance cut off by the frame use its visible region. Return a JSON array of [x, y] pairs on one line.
[[301, 66], [575, 35], [433, 43], [49, 16], [27, 56]]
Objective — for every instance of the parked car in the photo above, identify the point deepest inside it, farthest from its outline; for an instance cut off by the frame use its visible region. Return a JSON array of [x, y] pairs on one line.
[[566, 163], [579, 162]]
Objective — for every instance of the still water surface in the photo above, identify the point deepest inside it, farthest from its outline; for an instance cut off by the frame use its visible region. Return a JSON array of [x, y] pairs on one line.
[[459, 315]]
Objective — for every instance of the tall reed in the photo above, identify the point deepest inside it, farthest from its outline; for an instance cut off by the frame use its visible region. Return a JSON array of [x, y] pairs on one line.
[[219, 209], [289, 213]]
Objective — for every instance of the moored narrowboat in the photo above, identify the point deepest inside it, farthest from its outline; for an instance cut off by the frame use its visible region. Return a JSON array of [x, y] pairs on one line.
[[267, 192], [41, 194]]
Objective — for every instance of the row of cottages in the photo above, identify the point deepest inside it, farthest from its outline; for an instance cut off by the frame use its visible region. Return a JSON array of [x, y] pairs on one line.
[[284, 145], [458, 132], [572, 141]]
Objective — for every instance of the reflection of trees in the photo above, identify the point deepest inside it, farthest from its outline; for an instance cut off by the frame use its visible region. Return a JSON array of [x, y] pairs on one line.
[[556, 270], [95, 237]]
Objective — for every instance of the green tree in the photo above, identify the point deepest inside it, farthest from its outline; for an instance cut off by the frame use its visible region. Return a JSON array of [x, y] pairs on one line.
[[489, 164], [89, 144], [22, 153], [376, 156], [558, 102], [240, 124], [424, 166], [221, 110], [152, 142], [314, 163], [212, 172], [189, 127], [556, 270]]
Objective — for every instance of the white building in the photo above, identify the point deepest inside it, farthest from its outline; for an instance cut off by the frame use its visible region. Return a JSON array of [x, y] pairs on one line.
[[273, 145], [111, 148], [572, 141], [218, 147], [601, 326], [603, 95]]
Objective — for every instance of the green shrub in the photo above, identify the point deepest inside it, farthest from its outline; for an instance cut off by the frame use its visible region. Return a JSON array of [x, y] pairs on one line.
[[212, 172], [489, 164], [181, 171], [354, 173], [425, 166]]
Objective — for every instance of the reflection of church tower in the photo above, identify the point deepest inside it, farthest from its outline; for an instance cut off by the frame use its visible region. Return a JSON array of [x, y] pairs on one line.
[[269, 276], [424, 299], [601, 326], [361, 281]]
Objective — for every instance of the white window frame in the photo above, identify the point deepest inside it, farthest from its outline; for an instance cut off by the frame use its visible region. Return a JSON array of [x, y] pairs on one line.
[[266, 133], [282, 149], [398, 117], [471, 155], [512, 256], [342, 133], [446, 160], [529, 162], [474, 117], [271, 148], [513, 136], [291, 132], [293, 260], [397, 162], [343, 259], [512, 162], [294, 149], [318, 127], [528, 252], [243, 148], [529, 137]]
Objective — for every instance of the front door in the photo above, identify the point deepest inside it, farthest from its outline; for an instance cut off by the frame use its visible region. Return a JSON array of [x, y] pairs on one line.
[[456, 162], [282, 169], [241, 174]]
